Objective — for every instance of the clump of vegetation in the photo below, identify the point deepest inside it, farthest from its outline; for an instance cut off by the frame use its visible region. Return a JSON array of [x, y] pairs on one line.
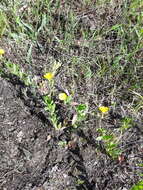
[[110, 141], [138, 186]]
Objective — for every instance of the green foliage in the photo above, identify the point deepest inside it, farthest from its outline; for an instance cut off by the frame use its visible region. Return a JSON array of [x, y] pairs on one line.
[[16, 70], [80, 182], [81, 114], [126, 122], [110, 142], [3, 23], [50, 106], [138, 186], [62, 143]]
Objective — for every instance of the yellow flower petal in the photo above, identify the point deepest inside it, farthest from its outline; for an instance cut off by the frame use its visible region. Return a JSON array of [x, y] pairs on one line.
[[49, 76], [63, 96], [2, 52], [103, 109]]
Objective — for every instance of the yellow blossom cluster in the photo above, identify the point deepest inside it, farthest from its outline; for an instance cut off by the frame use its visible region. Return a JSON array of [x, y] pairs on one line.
[[50, 76]]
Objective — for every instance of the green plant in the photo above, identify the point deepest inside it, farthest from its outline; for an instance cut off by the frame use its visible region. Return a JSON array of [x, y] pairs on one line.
[[81, 115], [80, 182], [126, 123], [110, 142], [16, 70], [62, 143], [138, 186], [3, 23], [50, 106]]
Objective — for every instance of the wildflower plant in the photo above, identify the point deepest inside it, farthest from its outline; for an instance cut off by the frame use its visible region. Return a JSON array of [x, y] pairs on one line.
[[50, 106], [50, 75], [16, 70], [110, 142]]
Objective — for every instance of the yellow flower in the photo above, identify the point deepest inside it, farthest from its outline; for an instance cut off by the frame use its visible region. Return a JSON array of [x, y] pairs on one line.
[[63, 96], [103, 109], [2, 52], [49, 76]]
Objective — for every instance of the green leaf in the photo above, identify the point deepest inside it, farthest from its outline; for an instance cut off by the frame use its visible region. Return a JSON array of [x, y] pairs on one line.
[[107, 137], [101, 130], [62, 143], [81, 107], [80, 182], [141, 165], [43, 23], [111, 145]]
